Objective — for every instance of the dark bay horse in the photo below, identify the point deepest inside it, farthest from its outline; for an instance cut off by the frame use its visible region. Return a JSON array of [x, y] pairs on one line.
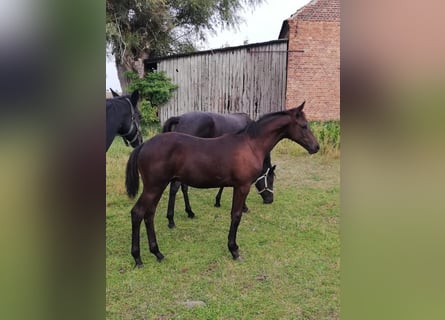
[[212, 125], [123, 119], [231, 160]]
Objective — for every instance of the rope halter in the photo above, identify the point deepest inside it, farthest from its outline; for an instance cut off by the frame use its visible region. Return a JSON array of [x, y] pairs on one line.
[[134, 124], [264, 176]]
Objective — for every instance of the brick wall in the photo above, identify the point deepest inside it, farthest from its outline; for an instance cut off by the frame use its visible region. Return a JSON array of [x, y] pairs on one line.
[[314, 75]]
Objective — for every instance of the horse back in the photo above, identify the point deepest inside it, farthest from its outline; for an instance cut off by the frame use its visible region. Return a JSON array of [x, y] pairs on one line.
[[207, 124], [199, 124], [230, 123]]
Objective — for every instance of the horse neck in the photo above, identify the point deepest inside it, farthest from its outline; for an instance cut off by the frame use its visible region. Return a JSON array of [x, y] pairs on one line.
[[268, 132], [267, 163]]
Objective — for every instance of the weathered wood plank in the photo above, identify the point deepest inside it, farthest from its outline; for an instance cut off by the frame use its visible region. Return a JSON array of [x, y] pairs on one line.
[[250, 79]]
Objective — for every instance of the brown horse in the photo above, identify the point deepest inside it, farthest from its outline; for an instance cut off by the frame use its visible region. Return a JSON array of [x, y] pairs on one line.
[[232, 160], [212, 125]]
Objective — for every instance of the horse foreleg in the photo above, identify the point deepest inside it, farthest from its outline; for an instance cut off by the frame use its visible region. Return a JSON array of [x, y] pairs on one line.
[[174, 187], [218, 200], [188, 208], [218, 197], [239, 198]]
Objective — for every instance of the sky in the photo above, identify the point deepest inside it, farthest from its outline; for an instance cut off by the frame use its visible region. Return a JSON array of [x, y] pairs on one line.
[[261, 24]]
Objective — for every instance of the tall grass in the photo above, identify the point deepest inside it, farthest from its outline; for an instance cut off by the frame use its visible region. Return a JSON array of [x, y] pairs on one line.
[[328, 136], [150, 130]]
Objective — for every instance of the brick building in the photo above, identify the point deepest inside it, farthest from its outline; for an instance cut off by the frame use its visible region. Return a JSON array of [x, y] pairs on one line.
[[313, 69]]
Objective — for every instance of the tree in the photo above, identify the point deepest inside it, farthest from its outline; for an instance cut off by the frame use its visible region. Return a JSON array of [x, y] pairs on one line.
[[141, 29]]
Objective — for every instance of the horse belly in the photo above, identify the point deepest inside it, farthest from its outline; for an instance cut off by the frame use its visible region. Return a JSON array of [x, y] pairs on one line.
[[216, 169], [205, 175]]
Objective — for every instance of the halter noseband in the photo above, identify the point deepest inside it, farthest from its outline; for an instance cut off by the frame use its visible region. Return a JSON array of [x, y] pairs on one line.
[[264, 176], [133, 125]]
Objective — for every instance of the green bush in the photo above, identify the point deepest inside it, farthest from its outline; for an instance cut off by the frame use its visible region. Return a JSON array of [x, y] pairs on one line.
[[149, 113], [155, 89]]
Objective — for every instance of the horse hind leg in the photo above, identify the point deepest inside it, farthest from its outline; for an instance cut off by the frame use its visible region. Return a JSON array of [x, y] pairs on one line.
[[188, 208], [152, 243], [174, 187], [145, 209], [137, 214], [152, 200]]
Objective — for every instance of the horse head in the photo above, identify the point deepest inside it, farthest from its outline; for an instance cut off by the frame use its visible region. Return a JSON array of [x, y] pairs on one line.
[[300, 132], [131, 129], [264, 185]]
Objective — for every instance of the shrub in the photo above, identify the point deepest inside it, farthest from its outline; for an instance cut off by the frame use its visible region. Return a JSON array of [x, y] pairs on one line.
[[149, 113], [155, 89]]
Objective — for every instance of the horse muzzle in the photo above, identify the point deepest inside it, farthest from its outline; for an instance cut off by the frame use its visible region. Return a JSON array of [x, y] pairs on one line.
[[314, 149]]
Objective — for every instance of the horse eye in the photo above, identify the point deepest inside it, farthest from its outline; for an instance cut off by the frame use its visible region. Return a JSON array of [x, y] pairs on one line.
[[304, 126]]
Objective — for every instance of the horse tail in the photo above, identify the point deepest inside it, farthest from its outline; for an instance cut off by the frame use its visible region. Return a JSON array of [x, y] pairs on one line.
[[132, 173], [168, 125]]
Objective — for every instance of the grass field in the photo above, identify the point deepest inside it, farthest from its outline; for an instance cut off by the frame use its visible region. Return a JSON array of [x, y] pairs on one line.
[[291, 249]]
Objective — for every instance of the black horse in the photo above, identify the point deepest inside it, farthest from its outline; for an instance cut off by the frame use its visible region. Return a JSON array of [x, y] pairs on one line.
[[232, 160], [212, 125], [123, 119]]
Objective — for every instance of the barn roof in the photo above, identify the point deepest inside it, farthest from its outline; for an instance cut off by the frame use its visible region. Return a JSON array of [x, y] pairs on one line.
[[211, 51], [319, 10], [316, 10]]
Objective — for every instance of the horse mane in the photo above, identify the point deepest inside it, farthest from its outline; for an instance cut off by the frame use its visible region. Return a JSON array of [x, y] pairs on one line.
[[254, 128], [115, 102], [112, 101]]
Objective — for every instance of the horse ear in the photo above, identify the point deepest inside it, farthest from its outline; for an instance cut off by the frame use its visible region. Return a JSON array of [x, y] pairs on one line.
[[299, 109], [273, 167], [115, 94], [301, 106]]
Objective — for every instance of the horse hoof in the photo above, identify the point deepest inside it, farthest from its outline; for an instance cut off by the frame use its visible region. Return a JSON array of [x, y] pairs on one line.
[[239, 259], [138, 265], [235, 255], [245, 209], [159, 257], [217, 205], [191, 215], [172, 225]]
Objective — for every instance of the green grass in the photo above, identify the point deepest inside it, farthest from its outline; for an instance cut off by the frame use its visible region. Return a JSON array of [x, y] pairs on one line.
[[291, 249]]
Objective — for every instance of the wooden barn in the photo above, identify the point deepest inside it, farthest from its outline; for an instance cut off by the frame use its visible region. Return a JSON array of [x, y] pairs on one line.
[[249, 78], [303, 64]]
